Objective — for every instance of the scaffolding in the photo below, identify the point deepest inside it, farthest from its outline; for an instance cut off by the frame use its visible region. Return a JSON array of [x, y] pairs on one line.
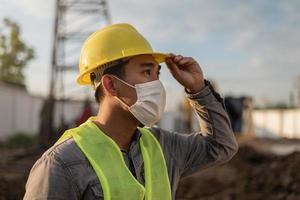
[[74, 21]]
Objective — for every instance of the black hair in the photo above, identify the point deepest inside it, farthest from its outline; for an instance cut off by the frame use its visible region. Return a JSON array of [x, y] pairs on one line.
[[116, 70]]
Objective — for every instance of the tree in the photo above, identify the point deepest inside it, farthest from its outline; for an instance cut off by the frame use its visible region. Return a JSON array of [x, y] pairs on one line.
[[14, 54]]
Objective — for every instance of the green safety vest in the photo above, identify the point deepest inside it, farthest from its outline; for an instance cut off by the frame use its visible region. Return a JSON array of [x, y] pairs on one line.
[[107, 161]]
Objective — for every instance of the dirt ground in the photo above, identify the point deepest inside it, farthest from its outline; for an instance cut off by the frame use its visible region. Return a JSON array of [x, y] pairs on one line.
[[15, 164], [254, 173]]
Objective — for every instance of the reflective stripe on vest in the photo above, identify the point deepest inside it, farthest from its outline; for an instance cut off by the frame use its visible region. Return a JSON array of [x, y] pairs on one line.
[[107, 161]]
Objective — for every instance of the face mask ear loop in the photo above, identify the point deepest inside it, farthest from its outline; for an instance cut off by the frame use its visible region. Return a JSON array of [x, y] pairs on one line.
[[127, 85], [124, 82], [127, 106]]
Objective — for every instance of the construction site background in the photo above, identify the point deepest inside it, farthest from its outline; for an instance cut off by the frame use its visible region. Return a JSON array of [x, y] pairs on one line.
[[265, 167]]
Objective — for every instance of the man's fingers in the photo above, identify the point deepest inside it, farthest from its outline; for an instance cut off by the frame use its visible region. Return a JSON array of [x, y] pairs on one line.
[[172, 67], [180, 60], [185, 61], [177, 58], [176, 62]]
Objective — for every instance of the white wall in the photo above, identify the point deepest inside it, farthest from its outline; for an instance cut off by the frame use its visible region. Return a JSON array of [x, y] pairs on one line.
[[20, 111], [17, 111], [277, 123]]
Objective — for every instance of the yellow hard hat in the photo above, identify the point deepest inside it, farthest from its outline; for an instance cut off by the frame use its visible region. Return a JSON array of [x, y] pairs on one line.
[[109, 44]]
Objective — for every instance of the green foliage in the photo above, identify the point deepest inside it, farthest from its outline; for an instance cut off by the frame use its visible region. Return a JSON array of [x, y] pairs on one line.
[[14, 54], [20, 140], [279, 105]]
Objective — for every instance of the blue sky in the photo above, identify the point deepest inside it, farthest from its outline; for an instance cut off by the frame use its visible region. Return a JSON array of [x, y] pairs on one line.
[[246, 47]]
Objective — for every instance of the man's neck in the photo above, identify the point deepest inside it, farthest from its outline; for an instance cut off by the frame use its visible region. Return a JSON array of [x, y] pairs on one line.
[[117, 124]]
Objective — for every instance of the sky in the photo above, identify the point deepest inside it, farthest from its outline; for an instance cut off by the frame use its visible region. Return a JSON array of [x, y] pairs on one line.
[[246, 47]]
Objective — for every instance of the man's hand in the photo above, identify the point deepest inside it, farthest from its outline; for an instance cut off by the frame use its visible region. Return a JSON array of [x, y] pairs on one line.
[[186, 71]]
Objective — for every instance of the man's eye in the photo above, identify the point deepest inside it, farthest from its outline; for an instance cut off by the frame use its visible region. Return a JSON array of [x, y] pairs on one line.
[[147, 72]]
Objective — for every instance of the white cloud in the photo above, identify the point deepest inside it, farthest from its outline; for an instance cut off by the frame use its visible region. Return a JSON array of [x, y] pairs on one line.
[[244, 43], [35, 8]]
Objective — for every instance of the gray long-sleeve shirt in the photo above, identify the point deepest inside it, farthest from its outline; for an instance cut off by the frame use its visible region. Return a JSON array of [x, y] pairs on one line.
[[63, 172]]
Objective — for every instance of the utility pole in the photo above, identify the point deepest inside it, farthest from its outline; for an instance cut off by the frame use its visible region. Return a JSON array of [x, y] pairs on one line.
[[74, 21]]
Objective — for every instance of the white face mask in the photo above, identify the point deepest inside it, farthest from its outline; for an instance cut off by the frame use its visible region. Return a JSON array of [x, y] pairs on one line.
[[151, 101]]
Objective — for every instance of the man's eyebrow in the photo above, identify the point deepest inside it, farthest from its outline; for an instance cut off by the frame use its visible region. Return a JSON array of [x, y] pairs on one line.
[[148, 64]]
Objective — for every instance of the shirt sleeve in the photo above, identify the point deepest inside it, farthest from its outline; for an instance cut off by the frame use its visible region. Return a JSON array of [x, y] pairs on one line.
[[49, 179], [214, 144]]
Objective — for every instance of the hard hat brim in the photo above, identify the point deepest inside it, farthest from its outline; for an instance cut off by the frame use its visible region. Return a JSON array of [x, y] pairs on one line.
[[84, 78]]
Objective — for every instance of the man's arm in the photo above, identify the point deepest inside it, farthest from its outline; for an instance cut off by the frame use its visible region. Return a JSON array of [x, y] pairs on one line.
[[49, 179], [214, 144]]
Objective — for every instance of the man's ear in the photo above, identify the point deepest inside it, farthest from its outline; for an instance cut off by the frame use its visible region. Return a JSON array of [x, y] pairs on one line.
[[108, 85]]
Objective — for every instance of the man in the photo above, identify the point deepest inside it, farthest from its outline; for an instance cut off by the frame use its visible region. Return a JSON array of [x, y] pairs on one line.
[[110, 156]]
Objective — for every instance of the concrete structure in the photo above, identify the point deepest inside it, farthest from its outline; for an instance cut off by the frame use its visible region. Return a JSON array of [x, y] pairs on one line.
[[20, 111], [277, 123]]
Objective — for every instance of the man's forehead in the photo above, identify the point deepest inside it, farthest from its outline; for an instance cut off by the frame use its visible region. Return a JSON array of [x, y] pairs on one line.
[[146, 60]]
